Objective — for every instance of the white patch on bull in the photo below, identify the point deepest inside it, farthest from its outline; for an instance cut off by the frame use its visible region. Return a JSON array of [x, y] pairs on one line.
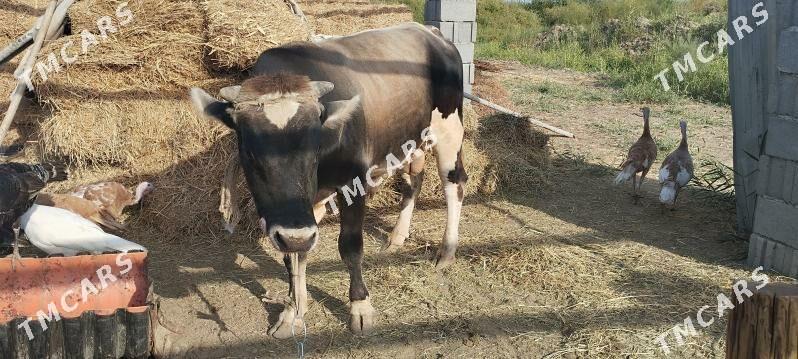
[[645, 162], [280, 113], [449, 136]]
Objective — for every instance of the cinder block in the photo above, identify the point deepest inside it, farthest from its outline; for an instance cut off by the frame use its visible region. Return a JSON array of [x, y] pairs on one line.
[[772, 255], [468, 73], [450, 10], [466, 52], [788, 50], [777, 220], [463, 31], [446, 27], [788, 91], [756, 248], [474, 31], [467, 89], [780, 140], [793, 270]]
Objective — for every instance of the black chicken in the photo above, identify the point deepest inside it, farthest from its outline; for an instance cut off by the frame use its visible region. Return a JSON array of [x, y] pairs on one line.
[[19, 185]]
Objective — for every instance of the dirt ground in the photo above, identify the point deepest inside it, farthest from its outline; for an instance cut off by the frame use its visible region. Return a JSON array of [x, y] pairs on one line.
[[573, 269], [568, 269]]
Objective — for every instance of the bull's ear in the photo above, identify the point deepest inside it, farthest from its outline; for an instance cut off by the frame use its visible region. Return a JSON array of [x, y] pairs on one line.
[[338, 115], [321, 87], [209, 107], [230, 93]]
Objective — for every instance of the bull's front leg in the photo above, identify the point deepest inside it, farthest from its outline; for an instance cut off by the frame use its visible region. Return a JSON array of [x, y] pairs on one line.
[[294, 313], [350, 246]]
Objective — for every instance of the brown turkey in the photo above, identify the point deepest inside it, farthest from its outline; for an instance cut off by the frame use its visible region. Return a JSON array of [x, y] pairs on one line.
[[641, 156]]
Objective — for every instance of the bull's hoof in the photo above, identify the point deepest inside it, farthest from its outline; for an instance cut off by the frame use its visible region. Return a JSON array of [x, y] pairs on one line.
[[444, 259], [282, 328], [394, 244], [362, 317]]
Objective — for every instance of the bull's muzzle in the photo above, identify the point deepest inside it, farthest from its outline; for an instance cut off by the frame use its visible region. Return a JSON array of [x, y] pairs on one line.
[[292, 240]]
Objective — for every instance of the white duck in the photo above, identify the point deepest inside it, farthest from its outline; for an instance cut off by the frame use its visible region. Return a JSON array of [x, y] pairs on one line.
[[59, 231]]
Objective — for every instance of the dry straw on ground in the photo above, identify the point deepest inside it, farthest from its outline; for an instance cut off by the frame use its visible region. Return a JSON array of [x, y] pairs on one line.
[[239, 31]]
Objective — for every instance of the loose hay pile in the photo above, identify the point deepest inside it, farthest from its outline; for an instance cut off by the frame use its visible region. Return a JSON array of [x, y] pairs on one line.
[[121, 110], [344, 17], [239, 31]]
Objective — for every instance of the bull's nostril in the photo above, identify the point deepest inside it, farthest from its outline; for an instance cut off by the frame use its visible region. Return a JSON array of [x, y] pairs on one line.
[[279, 239]]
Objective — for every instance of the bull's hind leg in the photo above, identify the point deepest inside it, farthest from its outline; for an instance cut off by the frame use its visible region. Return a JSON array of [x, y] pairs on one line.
[[412, 179], [350, 246], [448, 134]]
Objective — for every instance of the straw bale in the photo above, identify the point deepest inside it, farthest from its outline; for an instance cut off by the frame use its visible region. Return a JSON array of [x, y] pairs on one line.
[[347, 17], [179, 16], [237, 34]]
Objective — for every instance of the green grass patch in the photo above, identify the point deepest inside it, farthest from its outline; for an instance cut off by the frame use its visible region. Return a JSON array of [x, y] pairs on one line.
[[627, 41]]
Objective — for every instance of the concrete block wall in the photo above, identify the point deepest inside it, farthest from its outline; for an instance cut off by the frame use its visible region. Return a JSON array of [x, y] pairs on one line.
[[457, 20], [774, 241]]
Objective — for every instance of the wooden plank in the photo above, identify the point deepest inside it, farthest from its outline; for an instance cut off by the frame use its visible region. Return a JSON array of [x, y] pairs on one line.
[[792, 346], [732, 345], [764, 319], [747, 329], [781, 319]]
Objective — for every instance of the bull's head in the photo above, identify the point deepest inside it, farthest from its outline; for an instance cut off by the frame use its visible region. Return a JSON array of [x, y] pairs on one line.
[[283, 130]]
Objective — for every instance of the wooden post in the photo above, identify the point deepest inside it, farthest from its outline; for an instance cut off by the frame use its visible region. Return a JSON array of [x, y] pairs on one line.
[[765, 325], [25, 66], [501, 109]]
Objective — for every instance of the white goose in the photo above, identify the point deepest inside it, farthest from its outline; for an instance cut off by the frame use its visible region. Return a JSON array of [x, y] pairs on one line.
[[59, 231]]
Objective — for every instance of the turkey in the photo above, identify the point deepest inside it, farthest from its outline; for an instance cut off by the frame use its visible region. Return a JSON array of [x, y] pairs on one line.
[[19, 185], [83, 207], [641, 156], [676, 171], [113, 197], [59, 231]]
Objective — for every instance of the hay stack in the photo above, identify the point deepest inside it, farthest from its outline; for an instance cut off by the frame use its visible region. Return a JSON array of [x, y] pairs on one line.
[[239, 31], [344, 17], [123, 98], [18, 16]]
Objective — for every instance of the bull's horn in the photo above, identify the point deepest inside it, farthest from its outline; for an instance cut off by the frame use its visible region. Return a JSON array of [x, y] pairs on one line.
[[322, 87], [230, 93]]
